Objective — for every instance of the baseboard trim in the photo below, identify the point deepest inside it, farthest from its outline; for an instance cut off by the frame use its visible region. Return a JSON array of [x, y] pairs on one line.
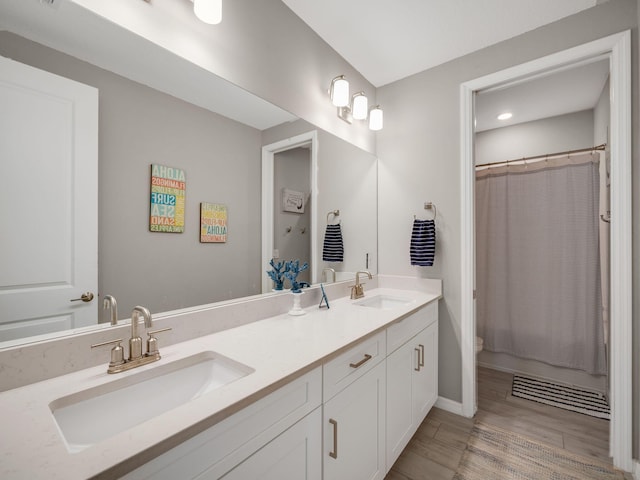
[[449, 405], [636, 470]]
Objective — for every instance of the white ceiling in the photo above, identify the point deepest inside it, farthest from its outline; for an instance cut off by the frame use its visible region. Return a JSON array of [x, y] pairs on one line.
[[389, 40], [566, 91]]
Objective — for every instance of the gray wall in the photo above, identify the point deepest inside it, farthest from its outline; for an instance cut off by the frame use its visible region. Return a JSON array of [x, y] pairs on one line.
[[601, 114], [549, 135], [140, 126], [419, 153]]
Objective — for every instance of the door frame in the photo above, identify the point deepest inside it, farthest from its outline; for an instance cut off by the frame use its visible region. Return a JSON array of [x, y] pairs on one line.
[[268, 153], [617, 48]]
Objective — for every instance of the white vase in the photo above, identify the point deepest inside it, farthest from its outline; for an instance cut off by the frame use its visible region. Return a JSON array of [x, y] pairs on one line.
[[297, 310]]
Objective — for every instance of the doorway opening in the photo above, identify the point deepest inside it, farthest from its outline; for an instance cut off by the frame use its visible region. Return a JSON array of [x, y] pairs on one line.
[[288, 233], [617, 49]]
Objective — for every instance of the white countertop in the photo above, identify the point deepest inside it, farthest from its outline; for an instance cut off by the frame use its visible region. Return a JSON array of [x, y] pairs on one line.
[[279, 348]]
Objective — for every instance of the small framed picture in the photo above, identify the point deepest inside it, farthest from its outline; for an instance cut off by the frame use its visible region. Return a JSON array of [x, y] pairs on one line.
[[213, 223], [168, 187], [292, 201]]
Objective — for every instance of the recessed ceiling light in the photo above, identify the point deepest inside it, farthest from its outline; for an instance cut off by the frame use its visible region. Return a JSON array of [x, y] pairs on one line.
[[505, 116]]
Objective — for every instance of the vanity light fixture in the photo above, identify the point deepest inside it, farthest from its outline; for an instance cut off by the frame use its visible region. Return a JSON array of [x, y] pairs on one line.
[[339, 91], [208, 11], [355, 107], [376, 118], [505, 116], [359, 106]]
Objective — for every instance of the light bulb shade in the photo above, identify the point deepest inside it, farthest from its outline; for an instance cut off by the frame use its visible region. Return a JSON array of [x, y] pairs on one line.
[[360, 106], [208, 11], [339, 91], [375, 118]]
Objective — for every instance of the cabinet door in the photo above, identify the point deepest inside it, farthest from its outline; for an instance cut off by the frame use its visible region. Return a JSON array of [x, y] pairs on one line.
[[400, 428], [227, 444], [354, 430], [425, 381], [295, 453]]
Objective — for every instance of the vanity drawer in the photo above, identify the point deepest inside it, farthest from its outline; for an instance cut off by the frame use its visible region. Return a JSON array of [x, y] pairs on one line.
[[399, 333], [352, 364]]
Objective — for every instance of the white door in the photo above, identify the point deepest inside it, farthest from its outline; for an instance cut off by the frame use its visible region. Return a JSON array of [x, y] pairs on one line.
[[48, 202], [354, 430]]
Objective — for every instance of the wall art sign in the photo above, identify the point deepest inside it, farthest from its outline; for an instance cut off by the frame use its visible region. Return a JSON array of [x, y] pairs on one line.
[[213, 223], [292, 201], [168, 188]]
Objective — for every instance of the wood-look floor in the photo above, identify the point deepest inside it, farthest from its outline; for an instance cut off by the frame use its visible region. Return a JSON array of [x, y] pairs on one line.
[[436, 449]]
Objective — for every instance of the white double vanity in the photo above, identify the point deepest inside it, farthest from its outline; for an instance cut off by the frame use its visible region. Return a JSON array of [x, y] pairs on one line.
[[333, 394]]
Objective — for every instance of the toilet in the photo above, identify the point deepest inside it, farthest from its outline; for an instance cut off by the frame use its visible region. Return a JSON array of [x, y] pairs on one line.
[[479, 344]]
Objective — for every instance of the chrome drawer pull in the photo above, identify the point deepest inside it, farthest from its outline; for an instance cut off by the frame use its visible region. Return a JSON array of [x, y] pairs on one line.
[[366, 358], [417, 369], [422, 357], [334, 454]]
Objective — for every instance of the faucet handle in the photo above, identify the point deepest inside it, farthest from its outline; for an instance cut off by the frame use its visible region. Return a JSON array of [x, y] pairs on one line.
[[152, 342], [117, 352]]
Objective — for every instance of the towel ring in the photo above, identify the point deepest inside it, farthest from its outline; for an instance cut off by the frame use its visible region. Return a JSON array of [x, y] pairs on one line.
[[335, 213], [431, 206]]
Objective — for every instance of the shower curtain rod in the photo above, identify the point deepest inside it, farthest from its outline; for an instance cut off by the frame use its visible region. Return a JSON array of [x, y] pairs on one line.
[[568, 152]]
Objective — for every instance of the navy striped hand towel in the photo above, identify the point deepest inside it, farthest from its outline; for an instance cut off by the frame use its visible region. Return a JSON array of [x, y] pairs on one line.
[[333, 249], [423, 243]]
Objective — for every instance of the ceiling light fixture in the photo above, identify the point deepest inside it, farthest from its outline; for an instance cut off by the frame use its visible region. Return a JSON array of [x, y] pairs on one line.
[[505, 116], [208, 11], [355, 107]]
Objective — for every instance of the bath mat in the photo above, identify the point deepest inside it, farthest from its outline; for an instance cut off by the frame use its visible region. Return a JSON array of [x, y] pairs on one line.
[[561, 396], [496, 454]]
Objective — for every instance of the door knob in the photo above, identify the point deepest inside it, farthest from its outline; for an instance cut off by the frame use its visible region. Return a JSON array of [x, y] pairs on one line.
[[85, 297]]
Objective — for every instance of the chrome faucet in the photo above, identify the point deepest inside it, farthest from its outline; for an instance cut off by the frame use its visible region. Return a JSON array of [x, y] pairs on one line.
[[109, 303], [356, 290], [333, 272], [136, 358]]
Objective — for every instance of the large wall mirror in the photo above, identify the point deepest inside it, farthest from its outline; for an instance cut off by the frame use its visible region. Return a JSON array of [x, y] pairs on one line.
[[222, 159]]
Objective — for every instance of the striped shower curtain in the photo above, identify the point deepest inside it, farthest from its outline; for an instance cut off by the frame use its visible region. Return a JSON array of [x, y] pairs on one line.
[[538, 263]]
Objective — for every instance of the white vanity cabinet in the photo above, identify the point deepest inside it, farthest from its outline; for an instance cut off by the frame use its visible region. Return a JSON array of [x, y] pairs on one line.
[[278, 433], [348, 419], [412, 377], [354, 416]]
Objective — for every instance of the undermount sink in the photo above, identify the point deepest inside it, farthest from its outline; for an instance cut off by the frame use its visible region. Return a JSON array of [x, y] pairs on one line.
[[90, 416], [385, 302]]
